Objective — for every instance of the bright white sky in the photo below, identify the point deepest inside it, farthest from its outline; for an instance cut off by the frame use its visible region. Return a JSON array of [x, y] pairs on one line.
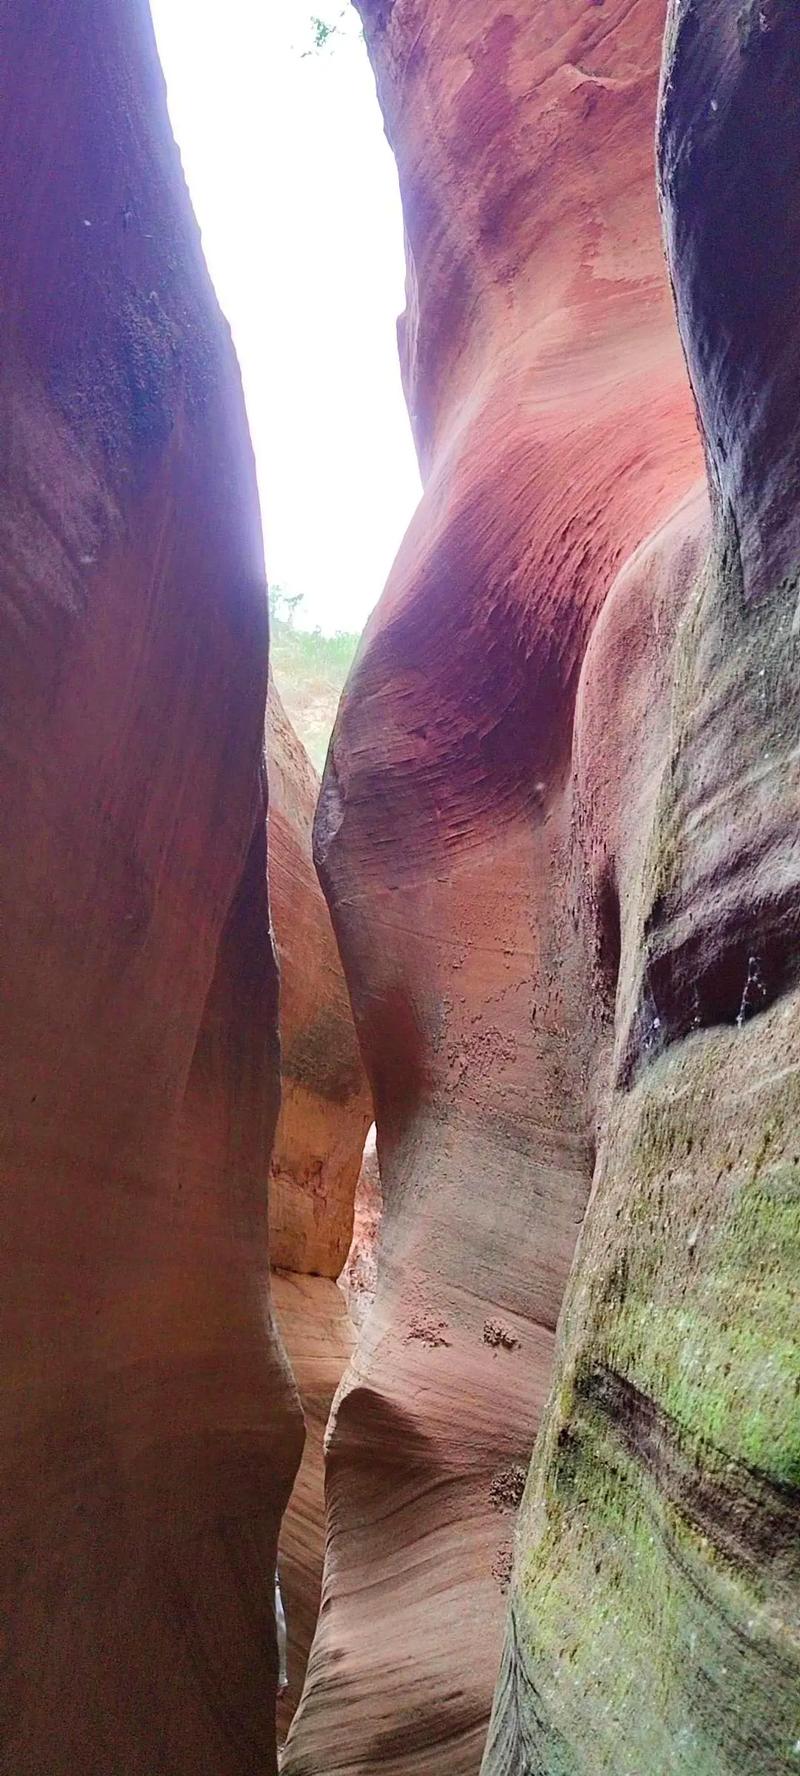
[[296, 194]]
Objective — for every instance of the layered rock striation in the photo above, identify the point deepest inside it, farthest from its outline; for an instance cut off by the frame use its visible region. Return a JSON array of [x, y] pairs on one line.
[[557, 833], [318, 1334], [149, 1430], [325, 1103], [555, 430], [316, 1161], [654, 1621]]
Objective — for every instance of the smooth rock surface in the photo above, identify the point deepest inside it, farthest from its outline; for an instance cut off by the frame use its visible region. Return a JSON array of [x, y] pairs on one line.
[[325, 1102], [149, 1431], [555, 429], [316, 1162], [359, 1279], [655, 1620], [318, 1333]]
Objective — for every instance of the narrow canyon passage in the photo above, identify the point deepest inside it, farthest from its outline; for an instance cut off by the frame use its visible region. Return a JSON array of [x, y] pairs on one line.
[[555, 836], [540, 920], [319, 1320], [316, 1163], [446, 830]]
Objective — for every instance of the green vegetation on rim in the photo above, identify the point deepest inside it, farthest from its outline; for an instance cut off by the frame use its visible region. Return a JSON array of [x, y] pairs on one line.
[[309, 669]]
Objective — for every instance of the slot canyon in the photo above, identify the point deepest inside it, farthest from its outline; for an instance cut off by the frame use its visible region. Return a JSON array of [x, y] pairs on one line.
[[513, 1403]]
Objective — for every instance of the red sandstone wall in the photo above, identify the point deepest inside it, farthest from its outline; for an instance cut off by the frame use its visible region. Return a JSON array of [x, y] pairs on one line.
[[325, 1103], [655, 1602], [316, 1161], [554, 423], [148, 1428]]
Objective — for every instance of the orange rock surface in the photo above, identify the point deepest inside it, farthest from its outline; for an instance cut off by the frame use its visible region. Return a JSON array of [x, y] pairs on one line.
[[556, 831], [316, 1161], [555, 429], [318, 1333], [359, 1279], [149, 1431], [654, 1620], [325, 1104]]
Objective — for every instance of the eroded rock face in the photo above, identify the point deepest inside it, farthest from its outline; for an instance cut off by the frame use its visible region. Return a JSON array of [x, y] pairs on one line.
[[149, 1431], [657, 1596], [318, 1320], [316, 1160], [318, 1334], [359, 1279], [555, 428], [325, 1103]]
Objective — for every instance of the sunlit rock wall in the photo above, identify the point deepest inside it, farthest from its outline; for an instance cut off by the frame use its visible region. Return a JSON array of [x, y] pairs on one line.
[[316, 1161], [656, 1609], [555, 430]]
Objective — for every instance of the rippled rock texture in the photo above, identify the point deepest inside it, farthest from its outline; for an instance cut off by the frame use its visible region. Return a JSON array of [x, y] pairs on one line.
[[318, 1333], [557, 833], [316, 1162], [148, 1428], [656, 1608]]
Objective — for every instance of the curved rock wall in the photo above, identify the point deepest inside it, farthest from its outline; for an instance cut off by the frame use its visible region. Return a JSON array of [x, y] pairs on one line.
[[557, 832], [325, 1103], [316, 1160], [359, 1279], [555, 428], [149, 1430], [316, 1327], [657, 1594]]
